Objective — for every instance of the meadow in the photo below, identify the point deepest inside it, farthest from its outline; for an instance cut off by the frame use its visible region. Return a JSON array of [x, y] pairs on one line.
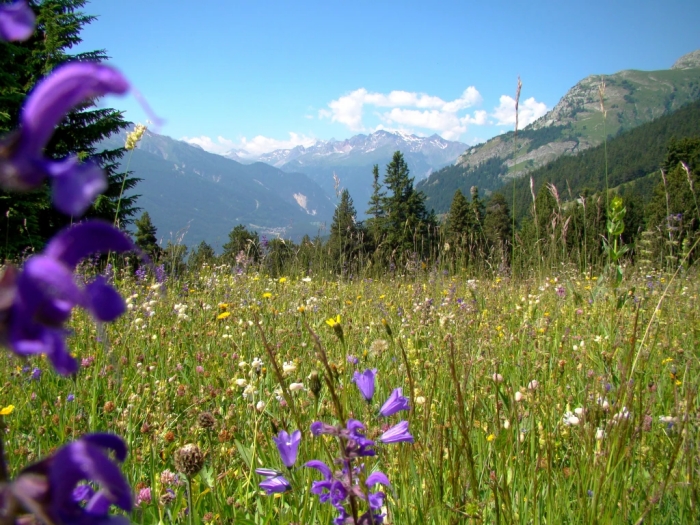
[[556, 399]]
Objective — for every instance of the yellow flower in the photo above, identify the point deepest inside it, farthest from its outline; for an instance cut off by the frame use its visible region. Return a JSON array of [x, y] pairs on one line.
[[333, 322], [283, 280], [267, 295], [223, 306], [7, 410], [223, 315], [490, 438], [301, 309]]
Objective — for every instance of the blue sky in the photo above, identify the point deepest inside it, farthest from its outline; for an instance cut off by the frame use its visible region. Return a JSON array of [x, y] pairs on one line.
[[263, 75]]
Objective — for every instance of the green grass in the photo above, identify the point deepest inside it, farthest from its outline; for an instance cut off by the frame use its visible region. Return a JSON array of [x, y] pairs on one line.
[[485, 451]]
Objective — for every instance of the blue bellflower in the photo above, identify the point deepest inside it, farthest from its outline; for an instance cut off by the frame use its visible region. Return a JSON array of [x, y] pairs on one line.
[[22, 165], [274, 481], [16, 21], [394, 404], [288, 446], [46, 291], [397, 434], [365, 383]]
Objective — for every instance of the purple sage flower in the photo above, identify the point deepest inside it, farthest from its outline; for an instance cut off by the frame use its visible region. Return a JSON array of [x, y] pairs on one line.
[[288, 446], [16, 21], [394, 404], [46, 291], [22, 164], [53, 488], [397, 434], [365, 382]]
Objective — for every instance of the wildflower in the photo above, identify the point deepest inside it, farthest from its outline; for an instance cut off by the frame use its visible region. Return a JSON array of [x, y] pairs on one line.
[[6, 411], [334, 323], [519, 396], [257, 364], [260, 406], [16, 21], [46, 291], [365, 383], [296, 387], [70, 398], [242, 383], [49, 486], [134, 137], [206, 420], [36, 374], [274, 483], [189, 460], [532, 385], [288, 446], [352, 359], [223, 315], [599, 434], [570, 419], [497, 378], [143, 496], [22, 164], [289, 367], [397, 434], [490, 438], [420, 400], [394, 404]]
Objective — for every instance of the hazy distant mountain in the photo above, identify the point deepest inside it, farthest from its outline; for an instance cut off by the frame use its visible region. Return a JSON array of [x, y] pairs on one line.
[[204, 196], [352, 160], [576, 123]]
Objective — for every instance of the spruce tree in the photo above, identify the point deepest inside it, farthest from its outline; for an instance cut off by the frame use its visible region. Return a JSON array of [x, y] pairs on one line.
[[498, 228], [407, 223], [146, 236], [241, 240], [375, 212], [344, 241]]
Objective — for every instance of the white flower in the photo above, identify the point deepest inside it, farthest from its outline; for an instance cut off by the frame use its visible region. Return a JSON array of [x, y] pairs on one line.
[[532, 385], [241, 382], [578, 411], [257, 364], [296, 387], [248, 392], [599, 434], [498, 378], [519, 396], [260, 406], [506, 424], [668, 419], [420, 400], [570, 419], [242, 365], [622, 414], [306, 279], [288, 367]]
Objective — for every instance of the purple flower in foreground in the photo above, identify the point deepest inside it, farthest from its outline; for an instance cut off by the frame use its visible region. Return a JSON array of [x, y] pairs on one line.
[[22, 164], [365, 382], [45, 292], [394, 404], [397, 434], [288, 446], [274, 481], [16, 21], [52, 489]]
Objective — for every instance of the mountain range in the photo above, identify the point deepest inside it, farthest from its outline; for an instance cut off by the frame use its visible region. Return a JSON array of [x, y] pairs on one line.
[[351, 160]]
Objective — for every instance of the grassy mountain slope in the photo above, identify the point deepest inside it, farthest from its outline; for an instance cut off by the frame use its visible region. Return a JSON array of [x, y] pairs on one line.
[[576, 123]]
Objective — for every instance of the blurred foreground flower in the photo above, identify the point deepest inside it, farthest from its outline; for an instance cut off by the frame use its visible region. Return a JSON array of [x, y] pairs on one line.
[[37, 301], [16, 21], [52, 490], [22, 163]]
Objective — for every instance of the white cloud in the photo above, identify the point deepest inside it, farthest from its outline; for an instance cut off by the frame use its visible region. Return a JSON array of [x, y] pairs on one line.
[[431, 112], [529, 111], [250, 148]]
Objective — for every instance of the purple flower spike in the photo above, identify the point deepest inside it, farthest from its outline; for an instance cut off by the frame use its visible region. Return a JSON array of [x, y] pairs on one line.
[[288, 446], [52, 489], [46, 291], [275, 485], [394, 404], [16, 21], [365, 382], [22, 164], [377, 477], [397, 434]]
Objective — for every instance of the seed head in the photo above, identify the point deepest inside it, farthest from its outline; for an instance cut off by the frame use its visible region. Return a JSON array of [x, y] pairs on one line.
[[206, 420], [189, 460]]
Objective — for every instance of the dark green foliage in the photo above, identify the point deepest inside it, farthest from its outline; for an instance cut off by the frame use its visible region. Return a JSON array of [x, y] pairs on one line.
[[498, 228], [240, 240], [279, 256], [203, 254], [407, 226], [146, 236], [375, 212], [59, 23], [345, 241], [173, 259]]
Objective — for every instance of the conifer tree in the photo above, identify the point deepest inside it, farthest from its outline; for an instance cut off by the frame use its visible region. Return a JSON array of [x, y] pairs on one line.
[[204, 253], [498, 228], [241, 240], [344, 241], [146, 236], [407, 223], [375, 212]]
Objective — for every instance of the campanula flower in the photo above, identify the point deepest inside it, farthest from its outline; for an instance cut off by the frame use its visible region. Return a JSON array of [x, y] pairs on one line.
[[16, 21], [394, 404], [46, 291], [288, 446], [397, 434], [365, 383], [274, 481], [22, 164]]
